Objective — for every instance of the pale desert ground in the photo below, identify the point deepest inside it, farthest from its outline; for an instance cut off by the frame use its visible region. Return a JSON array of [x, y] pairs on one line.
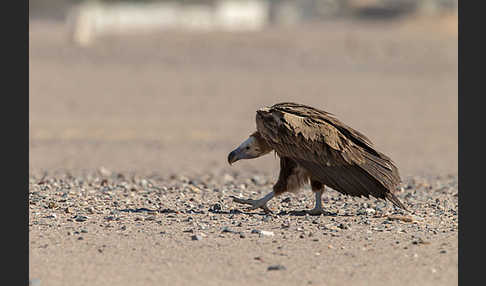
[[129, 183]]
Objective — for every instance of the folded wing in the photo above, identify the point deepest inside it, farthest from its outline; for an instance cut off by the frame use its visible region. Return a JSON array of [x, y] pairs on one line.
[[333, 153]]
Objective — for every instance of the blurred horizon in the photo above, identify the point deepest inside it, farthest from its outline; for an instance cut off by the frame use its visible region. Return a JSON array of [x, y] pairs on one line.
[[307, 9]]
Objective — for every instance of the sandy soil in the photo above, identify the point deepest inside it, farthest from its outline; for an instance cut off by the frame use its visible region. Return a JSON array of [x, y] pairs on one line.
[[129, 183]]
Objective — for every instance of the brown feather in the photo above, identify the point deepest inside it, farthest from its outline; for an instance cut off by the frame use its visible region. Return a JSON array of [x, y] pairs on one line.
[[333, 153]]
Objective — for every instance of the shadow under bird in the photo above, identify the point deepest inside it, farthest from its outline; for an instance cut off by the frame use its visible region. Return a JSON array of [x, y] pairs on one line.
[[314, 146]]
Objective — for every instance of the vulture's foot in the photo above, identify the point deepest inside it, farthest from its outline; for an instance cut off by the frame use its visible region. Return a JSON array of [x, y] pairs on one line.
[[317, 211], [254, 204]]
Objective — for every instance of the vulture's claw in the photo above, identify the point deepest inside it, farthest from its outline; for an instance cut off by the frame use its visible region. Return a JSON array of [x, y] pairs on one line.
[[319, 211], [254, 204]]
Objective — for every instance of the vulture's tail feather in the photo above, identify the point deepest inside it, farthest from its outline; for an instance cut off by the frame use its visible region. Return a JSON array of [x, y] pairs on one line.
[[391, 197]]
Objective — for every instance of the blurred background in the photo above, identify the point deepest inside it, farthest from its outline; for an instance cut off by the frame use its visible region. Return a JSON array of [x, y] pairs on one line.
[[170, 87]]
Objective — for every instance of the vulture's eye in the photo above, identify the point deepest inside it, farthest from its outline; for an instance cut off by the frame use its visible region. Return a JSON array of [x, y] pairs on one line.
[[247, 148]]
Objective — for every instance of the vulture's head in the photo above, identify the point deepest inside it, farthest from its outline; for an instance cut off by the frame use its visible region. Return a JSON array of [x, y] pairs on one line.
[[253, 147]]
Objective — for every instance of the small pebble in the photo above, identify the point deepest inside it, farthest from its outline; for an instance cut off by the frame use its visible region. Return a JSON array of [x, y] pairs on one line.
[[215, 208], [370, 211], [81, 218], [227, 229], [196, 237], [266, 233], [276, 267]]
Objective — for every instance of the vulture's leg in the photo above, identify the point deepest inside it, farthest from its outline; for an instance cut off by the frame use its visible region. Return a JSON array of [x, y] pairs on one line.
[[286, 167], [318, 189]]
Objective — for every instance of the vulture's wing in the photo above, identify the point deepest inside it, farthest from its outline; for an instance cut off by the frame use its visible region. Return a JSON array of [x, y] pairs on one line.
[[335, 154]]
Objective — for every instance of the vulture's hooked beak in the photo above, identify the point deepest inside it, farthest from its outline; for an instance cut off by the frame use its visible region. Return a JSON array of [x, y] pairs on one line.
[[232, 156], [241, 153]]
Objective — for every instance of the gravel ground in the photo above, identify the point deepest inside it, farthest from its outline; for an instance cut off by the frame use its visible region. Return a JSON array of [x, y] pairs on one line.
[[105, 213]]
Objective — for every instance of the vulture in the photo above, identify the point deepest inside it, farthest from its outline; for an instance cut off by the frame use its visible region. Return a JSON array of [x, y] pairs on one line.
[[314, 147]]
